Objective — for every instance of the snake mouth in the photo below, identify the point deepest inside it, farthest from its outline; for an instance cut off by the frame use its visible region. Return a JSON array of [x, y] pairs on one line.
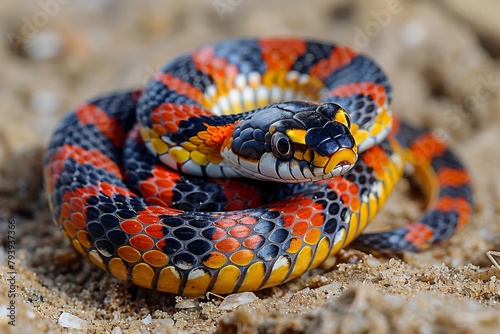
[[341, 162]]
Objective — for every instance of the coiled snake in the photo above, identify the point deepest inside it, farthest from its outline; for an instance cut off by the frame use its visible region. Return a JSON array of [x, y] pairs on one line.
[[235, 112]]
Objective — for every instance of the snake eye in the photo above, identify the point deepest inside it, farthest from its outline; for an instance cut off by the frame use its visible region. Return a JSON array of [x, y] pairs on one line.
[[281, 146]]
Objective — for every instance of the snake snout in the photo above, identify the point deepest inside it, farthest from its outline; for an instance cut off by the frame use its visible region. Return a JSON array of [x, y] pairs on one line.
[[334, 147], [330, 138]]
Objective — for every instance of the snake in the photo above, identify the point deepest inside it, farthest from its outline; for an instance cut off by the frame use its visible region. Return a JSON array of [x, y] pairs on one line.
[[243, 164]]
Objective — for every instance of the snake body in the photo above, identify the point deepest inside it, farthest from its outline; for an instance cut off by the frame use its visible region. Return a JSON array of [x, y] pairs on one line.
[[229, 110]]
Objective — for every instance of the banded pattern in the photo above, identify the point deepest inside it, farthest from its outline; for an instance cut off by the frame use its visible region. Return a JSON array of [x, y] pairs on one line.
[[447, 185], [230, 77], [145, 223]]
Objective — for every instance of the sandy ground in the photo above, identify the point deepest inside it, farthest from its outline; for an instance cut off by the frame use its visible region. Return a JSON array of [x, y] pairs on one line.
[[442, 58]]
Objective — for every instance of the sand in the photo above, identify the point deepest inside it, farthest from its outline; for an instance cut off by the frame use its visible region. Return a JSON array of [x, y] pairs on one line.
[[442, 58]]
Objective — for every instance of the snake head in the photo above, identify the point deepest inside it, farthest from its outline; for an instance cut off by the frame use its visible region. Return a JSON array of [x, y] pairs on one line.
[[293, 142]]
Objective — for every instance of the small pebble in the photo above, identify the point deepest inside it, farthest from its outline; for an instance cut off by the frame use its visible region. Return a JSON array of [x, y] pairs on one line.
[[165, 322], [332, 287], [237, 299], [413, 33], [372, 261], [30, 315], [68, 320], [116, 330], [44, 45], [305, 290], [45, 102], [146, 320], [187, 303]]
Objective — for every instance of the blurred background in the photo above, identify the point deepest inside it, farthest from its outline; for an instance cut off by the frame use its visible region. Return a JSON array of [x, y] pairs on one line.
[[442, 58]]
